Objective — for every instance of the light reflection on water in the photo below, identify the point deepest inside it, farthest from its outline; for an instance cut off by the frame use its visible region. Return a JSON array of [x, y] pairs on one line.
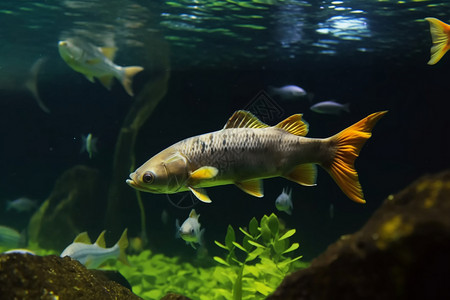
[[289, 29]]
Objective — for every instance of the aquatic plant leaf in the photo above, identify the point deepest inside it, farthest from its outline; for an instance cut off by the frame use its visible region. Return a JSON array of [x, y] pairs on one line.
[[288, 261], [237, 245], [245, 243], [273, 224], [221, 261], [237, 261], [254, 254], [279, 246], [230, 237], [288, 234], [253, 227], [221, 245], [293, 247], [256, 244], [265, 232], [262, 288], [245, 232]]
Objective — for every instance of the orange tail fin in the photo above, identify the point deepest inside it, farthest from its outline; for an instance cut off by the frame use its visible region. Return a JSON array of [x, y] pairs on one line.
[[348, 144], [440, 34]]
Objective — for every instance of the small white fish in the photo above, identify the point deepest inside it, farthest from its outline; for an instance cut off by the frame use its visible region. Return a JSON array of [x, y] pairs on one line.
[[284, 201], [330, 108], [22, 204], [93, 255], [288, 92], [190, 230], [89, 144], [92, 61]]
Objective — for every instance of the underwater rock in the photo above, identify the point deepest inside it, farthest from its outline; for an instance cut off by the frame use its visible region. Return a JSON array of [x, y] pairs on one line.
[[401, 253], [76, 203], [24, 276], [173, 296]]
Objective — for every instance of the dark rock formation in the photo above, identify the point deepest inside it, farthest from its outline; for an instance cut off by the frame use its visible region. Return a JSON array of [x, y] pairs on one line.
[[76, 204], [173, 296], [24, 276], [403, 252]]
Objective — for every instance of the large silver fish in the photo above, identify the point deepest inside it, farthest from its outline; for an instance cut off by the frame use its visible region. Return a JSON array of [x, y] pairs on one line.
[[247, 150]]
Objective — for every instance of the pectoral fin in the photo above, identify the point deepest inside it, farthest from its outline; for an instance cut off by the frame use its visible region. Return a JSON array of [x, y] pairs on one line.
[[251, 187], [200, 194], [206, 172]]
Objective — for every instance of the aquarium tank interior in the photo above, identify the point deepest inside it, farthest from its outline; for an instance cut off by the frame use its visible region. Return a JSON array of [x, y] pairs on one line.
[[226, 149]]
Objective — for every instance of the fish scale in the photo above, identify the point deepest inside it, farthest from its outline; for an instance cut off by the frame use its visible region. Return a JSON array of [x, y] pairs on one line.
[[231, 149]]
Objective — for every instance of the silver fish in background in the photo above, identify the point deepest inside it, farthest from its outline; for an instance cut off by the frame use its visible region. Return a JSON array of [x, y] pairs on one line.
[[247, 151], [284, 201], [190, 230], [22, 204], [330, 108], [93, 255], [287, 92], [89, 144], [92, 61]]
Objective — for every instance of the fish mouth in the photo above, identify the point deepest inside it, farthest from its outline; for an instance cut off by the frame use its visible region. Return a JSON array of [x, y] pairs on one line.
[[136, 185]]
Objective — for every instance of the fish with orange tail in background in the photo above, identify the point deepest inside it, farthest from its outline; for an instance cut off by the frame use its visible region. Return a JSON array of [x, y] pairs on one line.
[[440, 35], [246, 151]]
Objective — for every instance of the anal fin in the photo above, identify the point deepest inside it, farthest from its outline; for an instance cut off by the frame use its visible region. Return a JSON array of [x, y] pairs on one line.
[[200, 194], [251, 187], [304, 174]]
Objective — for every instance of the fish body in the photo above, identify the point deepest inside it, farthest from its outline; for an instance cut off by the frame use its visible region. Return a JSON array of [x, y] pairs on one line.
[[9, 237], [92, 61], [330, 107], [190, 230], [284, 201], [22, 204], [440, 35], [89, 144], [247, 150], [93, 255], [288, 92]]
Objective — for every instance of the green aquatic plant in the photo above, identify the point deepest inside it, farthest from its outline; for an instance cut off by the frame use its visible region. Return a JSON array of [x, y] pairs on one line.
[[262, 263], [253, 267]]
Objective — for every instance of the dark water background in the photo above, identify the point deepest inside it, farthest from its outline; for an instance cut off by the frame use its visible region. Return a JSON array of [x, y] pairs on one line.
[[217, 68]]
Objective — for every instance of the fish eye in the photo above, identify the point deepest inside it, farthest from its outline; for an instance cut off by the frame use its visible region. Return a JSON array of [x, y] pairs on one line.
[[148, 177]]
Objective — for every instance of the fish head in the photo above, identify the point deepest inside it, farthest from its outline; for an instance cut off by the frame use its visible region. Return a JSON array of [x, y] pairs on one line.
[[164, 173], [69, 51], [189, 230]]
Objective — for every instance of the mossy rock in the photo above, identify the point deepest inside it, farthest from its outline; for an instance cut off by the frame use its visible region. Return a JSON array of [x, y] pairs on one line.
[[401, 253], [24, 276]]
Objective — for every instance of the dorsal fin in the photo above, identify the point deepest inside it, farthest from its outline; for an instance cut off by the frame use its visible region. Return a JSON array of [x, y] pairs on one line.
[[101, 240], [244, 119], [82, 238], [109, 52], [193, 214], [294, 125]]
